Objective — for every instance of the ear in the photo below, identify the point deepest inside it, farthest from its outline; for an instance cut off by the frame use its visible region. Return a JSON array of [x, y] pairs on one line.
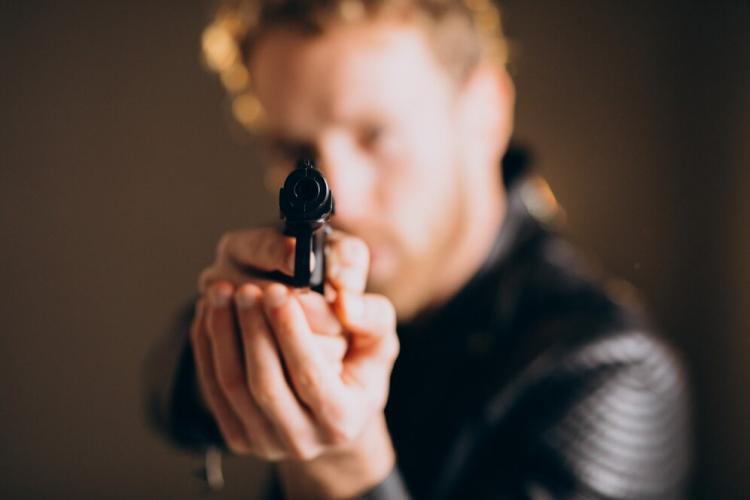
[[485, 107]]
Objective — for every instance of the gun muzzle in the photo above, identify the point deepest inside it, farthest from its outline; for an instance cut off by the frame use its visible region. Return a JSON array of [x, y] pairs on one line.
[[306, 205]]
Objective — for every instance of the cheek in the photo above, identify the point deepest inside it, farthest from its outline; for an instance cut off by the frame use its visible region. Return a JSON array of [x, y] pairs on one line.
[[422, 190]]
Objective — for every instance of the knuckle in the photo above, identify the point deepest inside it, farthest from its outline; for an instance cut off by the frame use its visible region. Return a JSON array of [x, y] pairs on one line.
[[205, 278], [245, 297], [350, 431], [396, 348], [342, 432], [274, 455], [337, 437], [339, 427], [238, 448], [236, 442], [249, 289], [310, 380], [389, 312], [261, 452], [231, 383], [223, 245], [256, 445], [393, 348], [380, 399], [304, 452], [395, 344]]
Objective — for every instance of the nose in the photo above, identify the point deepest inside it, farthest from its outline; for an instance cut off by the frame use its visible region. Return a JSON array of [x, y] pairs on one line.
[[350, 176]]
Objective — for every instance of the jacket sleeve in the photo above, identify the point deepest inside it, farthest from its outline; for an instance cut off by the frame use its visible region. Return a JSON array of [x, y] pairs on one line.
[[391, 488], [173, 406], [608, 419], [174, 409]]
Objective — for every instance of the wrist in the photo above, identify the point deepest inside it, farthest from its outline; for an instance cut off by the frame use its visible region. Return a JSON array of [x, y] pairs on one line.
[[343, 472]]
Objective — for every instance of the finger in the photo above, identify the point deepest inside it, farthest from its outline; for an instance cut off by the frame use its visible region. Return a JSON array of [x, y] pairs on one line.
[[230, 273], [229, 425], [320, 315], [330, 336], [264, 249], [216, 273], [371, 319], [309, 375], [230, 373], [315, 382], [348, 261], [374, 345], [267, 381]]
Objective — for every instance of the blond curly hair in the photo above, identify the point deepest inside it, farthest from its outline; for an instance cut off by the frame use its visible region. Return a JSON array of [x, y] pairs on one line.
[[462, 33]]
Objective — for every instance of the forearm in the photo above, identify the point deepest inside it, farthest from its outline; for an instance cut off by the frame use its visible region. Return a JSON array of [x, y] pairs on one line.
[[345, 472]]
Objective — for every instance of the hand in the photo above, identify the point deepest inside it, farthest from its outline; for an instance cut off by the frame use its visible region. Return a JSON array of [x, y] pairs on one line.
[[262, 249], [266, 249], [284, 389]]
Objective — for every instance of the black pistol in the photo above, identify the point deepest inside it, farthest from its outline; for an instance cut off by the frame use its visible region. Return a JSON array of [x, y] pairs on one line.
[[306, 205]]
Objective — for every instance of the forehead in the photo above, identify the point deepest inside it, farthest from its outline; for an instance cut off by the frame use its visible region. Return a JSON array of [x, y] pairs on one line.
[[305, 82]]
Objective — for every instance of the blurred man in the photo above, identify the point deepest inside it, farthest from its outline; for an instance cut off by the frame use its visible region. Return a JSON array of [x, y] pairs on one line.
[[518, 377]]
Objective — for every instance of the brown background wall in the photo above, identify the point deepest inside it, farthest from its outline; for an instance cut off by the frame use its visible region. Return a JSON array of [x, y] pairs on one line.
[[118, 171]]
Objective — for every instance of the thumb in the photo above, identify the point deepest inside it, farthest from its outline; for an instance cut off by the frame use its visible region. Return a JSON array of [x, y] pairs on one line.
[[348, 262], [371, 319]]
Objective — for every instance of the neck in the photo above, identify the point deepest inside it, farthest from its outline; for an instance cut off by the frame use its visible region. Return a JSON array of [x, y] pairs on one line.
[[467, 248]]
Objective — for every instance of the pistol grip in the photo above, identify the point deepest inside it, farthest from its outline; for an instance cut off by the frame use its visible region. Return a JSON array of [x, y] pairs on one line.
[[319, 245], [303, 248], [308, 242]]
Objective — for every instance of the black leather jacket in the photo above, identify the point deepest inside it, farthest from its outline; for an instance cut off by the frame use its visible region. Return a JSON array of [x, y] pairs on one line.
[[532, 382]]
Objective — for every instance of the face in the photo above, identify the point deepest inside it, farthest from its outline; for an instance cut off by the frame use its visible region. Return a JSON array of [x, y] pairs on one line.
[[379, 113]]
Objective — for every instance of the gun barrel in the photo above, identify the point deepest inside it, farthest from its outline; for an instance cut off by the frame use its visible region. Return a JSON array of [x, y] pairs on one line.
[[306, 204]]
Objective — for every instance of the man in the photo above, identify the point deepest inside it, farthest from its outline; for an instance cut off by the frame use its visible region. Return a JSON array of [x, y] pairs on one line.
[[518, 377]]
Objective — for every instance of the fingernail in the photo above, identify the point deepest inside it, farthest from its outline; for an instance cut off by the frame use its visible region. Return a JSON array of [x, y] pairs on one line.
[[244, 298], [219, 296], [275, 295]]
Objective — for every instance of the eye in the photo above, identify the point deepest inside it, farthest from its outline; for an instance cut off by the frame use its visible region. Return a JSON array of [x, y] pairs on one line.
[[371, 136]]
